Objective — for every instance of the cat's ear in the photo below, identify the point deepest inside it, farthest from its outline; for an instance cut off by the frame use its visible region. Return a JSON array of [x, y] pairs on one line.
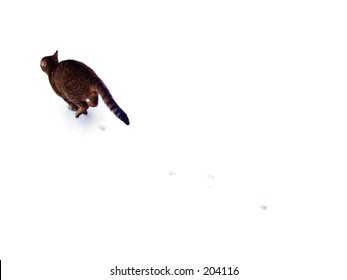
[[55, 55]]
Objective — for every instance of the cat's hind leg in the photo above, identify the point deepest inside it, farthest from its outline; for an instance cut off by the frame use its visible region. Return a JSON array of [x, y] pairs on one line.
[[82, 108], [93, 100], [75, 108], [72, 106]]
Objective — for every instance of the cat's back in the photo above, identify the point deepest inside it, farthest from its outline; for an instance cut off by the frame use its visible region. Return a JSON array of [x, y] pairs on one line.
[[73, 68]]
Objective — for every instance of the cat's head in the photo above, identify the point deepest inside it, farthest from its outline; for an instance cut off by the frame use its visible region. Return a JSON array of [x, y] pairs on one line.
[[48, 63]]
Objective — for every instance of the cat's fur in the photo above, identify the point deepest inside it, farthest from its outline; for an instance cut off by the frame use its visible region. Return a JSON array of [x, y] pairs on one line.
[[78, 85]]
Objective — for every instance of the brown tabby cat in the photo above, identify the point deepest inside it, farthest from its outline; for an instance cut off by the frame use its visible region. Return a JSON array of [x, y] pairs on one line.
[[78, 85]]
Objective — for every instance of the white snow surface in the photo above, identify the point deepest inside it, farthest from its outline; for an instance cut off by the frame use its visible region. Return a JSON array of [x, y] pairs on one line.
[[235, 154]]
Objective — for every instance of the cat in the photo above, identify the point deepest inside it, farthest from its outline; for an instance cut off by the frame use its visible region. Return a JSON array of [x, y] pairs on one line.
[[79, 86]]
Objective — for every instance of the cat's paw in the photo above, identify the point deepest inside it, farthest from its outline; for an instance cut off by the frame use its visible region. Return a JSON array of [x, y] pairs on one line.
[[81, 111], [77, 115]]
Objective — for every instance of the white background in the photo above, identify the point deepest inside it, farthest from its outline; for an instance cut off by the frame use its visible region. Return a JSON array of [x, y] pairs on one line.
[[235, 106]]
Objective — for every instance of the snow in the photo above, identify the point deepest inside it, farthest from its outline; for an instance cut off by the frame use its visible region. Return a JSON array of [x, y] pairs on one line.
[[235, 154]]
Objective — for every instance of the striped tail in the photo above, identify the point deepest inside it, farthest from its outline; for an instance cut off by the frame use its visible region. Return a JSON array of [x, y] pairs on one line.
[[109, 101]]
